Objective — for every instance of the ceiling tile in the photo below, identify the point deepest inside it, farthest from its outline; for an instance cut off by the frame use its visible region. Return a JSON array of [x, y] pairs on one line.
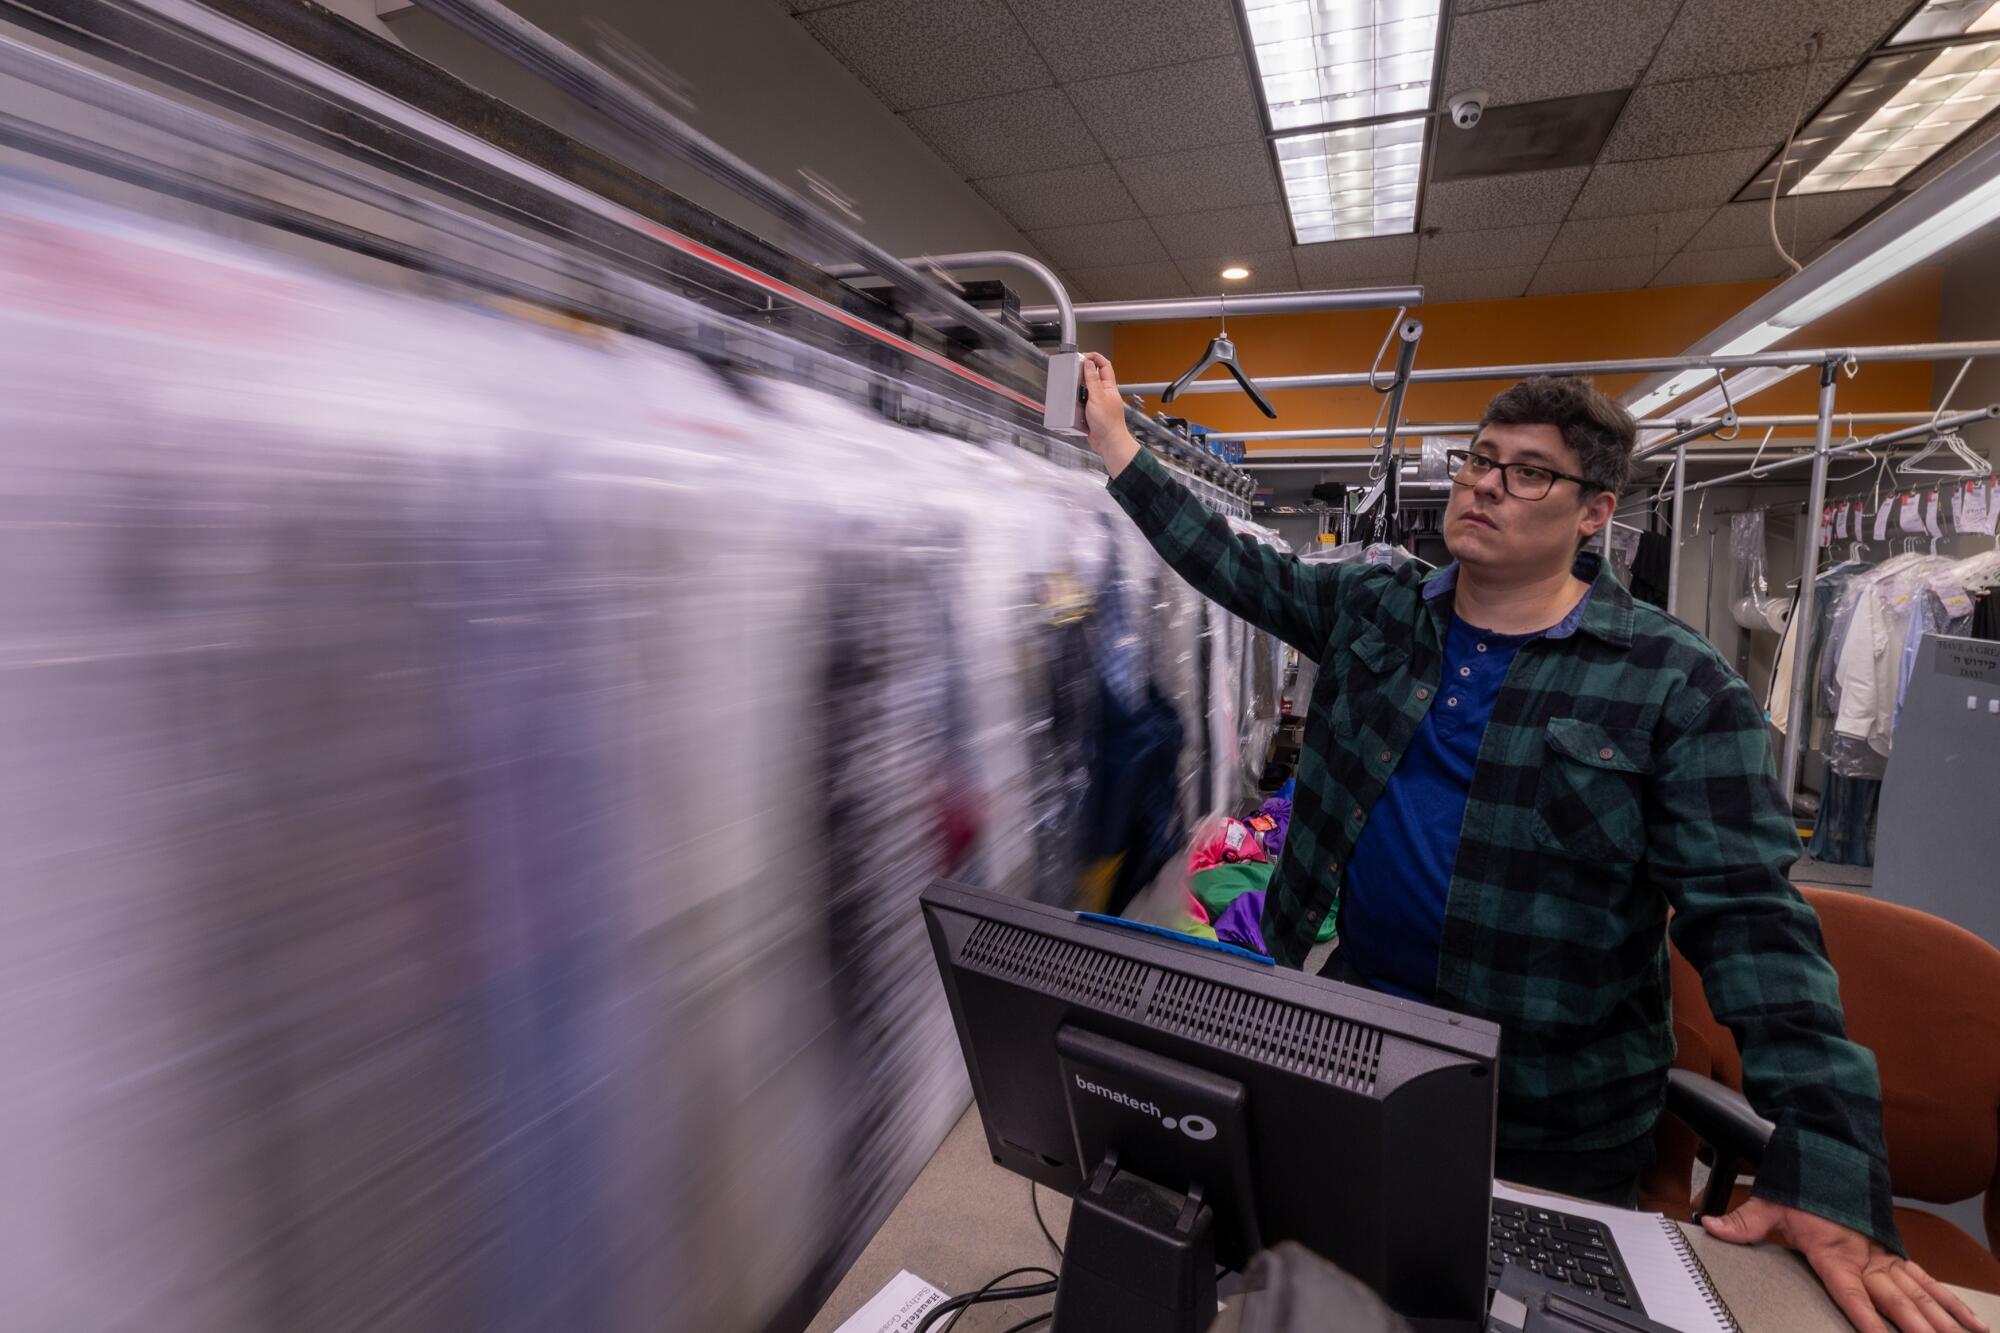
[[1492, 284], [1707, 115], [1652, 234], [1666, 183], [1222, 231], [1131, 282], [1498, 247], [801, 6], [1196, 105], [1068, 197], [1722, 36], [1270, 271], [1554, 48], [917, 53], [1474, 6], [1081, 39], [1101, 244], [1811, 218], [1982, 134], [1594, 275], [1202, 179], [1697, 266], [1365, 263], [999, 136], [1503, 201]]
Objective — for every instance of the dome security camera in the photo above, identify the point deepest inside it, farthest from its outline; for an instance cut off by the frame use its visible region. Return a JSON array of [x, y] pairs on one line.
[[1467, 108]]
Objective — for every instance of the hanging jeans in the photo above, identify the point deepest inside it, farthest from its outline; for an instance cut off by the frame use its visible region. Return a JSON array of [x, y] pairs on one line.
[[1844, 833]]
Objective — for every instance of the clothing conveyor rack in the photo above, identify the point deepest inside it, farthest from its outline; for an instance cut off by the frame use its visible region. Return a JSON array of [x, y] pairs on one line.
[[451, 206]]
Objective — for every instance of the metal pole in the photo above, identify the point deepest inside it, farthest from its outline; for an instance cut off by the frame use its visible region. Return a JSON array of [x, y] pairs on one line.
[[1802, 610], [1461, 374], [1203, 307], [1674, 554], [1064, 310]]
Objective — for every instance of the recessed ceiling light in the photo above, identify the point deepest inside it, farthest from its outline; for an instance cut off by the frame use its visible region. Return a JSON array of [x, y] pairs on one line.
[[1236, 273]]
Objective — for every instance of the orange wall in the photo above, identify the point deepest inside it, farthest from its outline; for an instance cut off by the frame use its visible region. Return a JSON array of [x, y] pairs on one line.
[[1591, 326]]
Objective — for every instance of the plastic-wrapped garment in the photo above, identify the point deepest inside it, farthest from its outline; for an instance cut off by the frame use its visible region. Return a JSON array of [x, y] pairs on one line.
[[1756, 608], [1839, 619], [1929, 614], [1186, 685], [1225, 723], [1260, 682], [1870, 661], [435, 896]]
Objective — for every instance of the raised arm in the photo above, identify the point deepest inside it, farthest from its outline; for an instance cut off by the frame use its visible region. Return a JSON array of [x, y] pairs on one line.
[[1275, 592]]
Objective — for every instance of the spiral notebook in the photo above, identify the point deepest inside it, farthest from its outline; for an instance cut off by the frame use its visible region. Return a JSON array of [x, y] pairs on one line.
[[1666, 1272]]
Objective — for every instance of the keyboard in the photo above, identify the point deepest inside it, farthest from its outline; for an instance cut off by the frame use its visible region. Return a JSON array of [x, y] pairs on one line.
[[1572, 1250]]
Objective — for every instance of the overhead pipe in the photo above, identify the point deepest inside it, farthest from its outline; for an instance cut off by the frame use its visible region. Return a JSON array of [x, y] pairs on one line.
[[1463, 374], [1206, 307]]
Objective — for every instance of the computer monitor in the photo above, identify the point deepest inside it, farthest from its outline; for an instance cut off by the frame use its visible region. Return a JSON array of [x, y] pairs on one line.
[[1201, 1104]]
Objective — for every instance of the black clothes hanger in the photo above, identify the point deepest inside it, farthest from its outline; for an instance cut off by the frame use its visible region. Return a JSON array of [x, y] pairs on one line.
[[1221, 352]]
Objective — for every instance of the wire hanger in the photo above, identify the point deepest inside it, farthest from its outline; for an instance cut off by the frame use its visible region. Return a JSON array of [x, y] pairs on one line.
[[1969, 464], [1221, 352]]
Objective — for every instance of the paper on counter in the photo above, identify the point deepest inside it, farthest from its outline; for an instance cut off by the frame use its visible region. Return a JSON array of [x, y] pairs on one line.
[[897, 1308]]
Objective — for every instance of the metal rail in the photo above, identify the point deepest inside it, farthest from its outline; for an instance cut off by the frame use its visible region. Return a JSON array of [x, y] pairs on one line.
[[1463, 374], [618, 100], [1065, 309], [1431, 428], [1879, 442], [186, 27], [1204, 307]]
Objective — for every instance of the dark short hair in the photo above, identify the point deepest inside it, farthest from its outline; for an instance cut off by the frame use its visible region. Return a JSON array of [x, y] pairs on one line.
[[1599, 428]]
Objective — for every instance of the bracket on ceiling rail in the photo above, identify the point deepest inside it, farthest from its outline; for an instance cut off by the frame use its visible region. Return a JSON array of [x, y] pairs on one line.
[[1409, 332], [1728, 407]]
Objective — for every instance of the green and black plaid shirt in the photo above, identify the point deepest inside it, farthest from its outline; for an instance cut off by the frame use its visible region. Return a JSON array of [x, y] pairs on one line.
[[1626, 770]]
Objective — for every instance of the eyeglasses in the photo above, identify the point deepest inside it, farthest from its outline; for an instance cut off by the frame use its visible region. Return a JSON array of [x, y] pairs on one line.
[[1523, 481]]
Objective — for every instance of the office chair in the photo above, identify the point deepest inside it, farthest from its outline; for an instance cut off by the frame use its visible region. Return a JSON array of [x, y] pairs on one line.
[[1919, 992]]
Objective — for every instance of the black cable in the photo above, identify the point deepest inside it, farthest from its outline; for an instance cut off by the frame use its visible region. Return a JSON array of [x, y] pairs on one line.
[[1030, 1323], [1035, 1202], [987, 1293]]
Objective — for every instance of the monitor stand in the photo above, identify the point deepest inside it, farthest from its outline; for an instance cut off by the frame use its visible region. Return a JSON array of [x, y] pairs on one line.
[[1139, 1258]]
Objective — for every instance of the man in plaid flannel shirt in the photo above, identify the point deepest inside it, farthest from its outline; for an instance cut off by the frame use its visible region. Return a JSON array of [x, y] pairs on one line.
[[1511, 772]]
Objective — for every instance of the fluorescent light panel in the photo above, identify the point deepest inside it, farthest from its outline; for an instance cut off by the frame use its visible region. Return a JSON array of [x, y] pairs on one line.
[[1902, 107], [1322, 62], [1349, 183], [1949, 18]]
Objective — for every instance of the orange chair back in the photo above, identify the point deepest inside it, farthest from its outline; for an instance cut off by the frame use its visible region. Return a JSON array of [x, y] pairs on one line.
[[1924, 995]]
